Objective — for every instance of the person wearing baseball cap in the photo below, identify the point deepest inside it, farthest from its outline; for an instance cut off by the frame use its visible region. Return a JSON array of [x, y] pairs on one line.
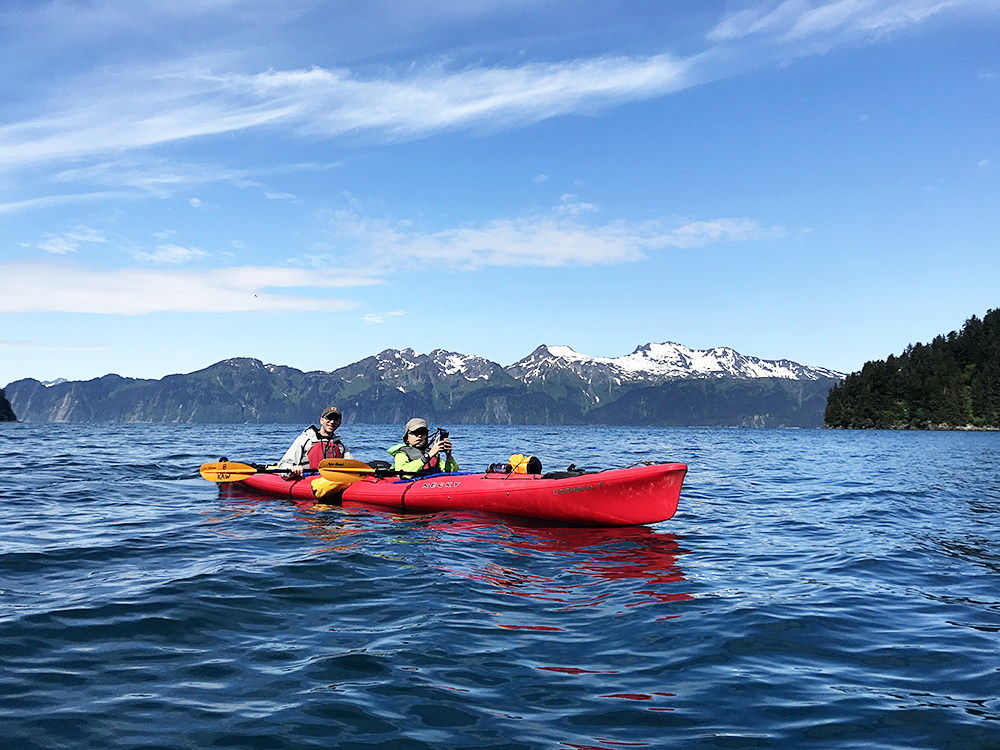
[[315, 444], [413, 455]]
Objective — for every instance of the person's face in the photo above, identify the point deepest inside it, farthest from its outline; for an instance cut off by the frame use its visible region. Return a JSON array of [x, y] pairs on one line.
[[329, 424], [417, 438]]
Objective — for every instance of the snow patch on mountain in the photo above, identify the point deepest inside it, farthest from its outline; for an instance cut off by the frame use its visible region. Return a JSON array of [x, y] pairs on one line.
[[661, 362], [397, 359], [394, 363]]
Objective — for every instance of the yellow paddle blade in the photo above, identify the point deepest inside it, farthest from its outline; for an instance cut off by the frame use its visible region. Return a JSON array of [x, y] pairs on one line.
[[345, 465], [227, 471], [340, 477]]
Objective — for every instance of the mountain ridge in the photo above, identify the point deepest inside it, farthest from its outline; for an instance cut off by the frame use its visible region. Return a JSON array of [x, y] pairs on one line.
[[669, 360], [551, 385]]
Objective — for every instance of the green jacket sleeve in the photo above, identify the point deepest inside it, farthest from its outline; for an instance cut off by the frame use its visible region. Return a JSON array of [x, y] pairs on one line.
[[402, 463]]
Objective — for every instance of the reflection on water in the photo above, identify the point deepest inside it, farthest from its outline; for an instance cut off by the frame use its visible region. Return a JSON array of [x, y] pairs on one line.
[[817, 589], [590, 557]]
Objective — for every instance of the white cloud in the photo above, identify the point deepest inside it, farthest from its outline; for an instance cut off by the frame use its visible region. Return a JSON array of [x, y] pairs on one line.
[[136, 108], [69, 242], [123, 110], [53, 347], [540, 178], [60, 200], [375, 319], [169, 254], [62, 287], [984, 165], [702, 233], [58, 246], [571, 206], [282, 197], [833, 21], [152, 176], [557, 239], [195, 203]]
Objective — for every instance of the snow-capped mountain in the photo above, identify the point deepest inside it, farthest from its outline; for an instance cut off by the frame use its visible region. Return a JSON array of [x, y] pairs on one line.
[[394, 363], [657, 363], [657, 384]]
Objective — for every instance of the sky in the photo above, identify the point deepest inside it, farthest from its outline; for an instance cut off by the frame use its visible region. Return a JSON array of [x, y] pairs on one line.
[[309, 183]]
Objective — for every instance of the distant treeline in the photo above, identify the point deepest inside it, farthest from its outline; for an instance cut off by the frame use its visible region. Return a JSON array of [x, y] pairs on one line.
[[6, 413], [953, 382]]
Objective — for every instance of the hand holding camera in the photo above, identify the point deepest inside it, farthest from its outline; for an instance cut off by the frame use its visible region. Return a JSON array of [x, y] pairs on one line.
[[441, 443]]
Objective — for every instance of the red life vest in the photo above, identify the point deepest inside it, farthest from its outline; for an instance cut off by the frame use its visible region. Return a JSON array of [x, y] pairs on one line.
[[325, 448]]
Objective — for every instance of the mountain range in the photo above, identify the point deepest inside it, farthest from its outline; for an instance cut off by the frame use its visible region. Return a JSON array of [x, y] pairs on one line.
[[657, 384]]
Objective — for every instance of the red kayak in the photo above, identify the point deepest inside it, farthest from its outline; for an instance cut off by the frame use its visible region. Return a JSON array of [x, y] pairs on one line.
[[616, 497]]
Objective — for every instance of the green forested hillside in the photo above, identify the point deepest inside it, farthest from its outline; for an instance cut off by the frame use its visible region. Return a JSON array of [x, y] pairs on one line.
[[6, 413], [953, 382], [719, 402]]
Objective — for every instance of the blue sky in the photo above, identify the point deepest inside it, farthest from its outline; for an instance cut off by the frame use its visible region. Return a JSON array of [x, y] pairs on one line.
[[310, 182]]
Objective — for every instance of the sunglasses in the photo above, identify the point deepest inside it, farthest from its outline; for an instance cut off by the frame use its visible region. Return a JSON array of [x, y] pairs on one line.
[[334, 418], [421, 431]]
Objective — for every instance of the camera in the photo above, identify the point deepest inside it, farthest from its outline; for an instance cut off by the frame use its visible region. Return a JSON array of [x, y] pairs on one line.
[[442, 434]]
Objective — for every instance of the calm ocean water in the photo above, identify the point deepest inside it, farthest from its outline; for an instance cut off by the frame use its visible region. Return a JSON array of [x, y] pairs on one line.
[[817, 589]]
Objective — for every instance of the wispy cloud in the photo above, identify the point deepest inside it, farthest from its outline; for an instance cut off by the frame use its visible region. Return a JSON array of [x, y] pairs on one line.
[[834, 20], [53, 347], [61, 200], [69, 242], [378, 318], [114, 114], [169, 254], [556, 239], [62, 287], [139, 108], [157, 177]]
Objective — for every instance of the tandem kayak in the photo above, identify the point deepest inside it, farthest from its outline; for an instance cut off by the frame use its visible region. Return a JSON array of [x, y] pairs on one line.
[[615, 497]]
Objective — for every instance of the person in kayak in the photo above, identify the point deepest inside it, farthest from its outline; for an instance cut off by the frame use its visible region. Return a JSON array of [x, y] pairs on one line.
[[412, 455], [315, 444]]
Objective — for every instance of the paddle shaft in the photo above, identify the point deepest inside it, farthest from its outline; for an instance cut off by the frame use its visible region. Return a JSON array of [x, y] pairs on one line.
[[333, 469], [349, 470]]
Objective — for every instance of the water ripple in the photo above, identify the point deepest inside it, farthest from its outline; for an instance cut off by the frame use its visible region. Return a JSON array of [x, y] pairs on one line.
[[815, 589]]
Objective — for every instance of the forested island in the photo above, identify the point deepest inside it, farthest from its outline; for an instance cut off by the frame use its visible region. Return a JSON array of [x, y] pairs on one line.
[[951, 383], [6, 412]]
